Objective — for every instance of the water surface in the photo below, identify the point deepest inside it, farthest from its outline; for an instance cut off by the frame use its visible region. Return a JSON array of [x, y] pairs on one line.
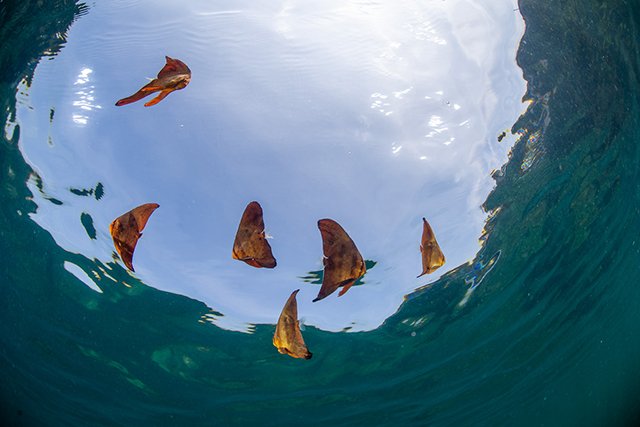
[[541, 328], [374, 114]]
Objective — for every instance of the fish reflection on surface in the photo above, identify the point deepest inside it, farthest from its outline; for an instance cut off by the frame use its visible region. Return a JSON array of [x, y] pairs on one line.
[[315, 277], [288, 338], [343, 264], [432, 256], [127, 229], [175, 75], [251, 245]]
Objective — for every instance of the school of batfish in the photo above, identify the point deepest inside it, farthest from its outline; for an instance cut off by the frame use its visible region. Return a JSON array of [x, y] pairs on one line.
[[343, 263]]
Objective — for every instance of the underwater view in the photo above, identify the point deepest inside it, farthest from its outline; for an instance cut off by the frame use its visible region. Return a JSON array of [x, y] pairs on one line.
[[356, 212]]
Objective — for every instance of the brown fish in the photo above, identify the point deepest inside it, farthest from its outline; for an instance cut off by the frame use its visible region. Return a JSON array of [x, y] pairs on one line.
[[343, 264], [432, 256], [127, 229], [175, 75], [288, 338], [250, 244]]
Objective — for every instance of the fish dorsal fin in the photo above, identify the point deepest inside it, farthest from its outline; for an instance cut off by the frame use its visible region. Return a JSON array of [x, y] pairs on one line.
[[288, 337], [142, 214], [251, 245], [173, 67], [343, 263]]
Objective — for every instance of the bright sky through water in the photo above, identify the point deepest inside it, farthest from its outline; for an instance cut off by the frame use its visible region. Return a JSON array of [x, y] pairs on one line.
[[374, 114]]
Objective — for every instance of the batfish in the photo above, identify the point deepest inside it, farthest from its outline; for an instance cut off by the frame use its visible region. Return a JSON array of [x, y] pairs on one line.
[[343, 264], [127, 229], [432, 256], [250, 244], [288, 338], [175, 75]]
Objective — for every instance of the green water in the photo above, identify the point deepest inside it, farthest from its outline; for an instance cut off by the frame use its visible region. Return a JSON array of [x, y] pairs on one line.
[[550, 335]]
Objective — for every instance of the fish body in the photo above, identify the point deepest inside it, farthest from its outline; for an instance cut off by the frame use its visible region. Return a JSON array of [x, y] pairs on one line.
[[432, 256], [250, 244], [288, 338], [175, 75], [343, 263], [126, 230]]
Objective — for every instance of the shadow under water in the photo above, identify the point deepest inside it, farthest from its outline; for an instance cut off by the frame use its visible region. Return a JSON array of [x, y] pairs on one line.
[[548, 335]]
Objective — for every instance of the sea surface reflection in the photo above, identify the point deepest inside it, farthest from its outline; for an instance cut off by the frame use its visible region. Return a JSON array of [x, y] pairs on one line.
[[372, 113]]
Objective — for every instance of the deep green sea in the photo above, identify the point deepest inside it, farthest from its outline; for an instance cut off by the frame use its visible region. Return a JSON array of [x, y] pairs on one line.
[[541, 329]]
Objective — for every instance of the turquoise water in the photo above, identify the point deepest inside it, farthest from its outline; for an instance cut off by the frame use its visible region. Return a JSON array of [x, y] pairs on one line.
[[540, 329]]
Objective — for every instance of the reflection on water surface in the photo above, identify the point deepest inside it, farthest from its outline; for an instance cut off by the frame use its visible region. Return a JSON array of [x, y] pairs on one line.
[[375, 114]]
